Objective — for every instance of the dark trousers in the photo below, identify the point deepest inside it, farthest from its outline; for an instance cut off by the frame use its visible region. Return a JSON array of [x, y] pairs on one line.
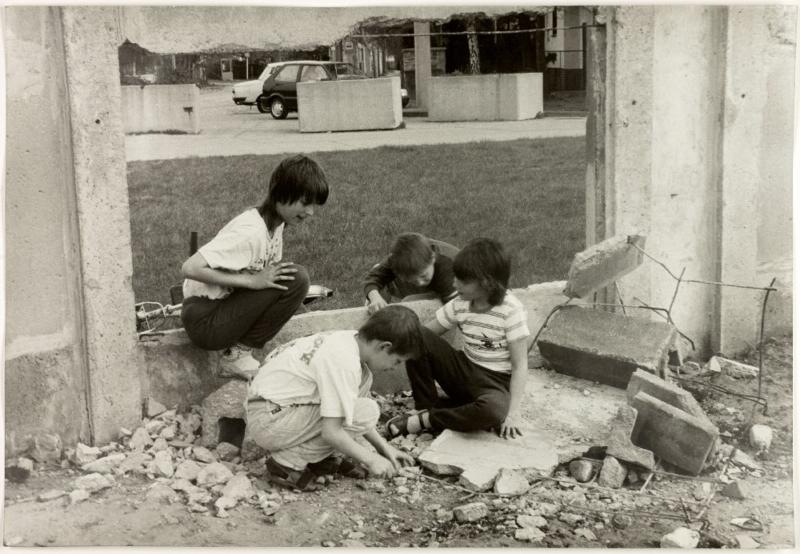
[[249, 317], [478, 398]]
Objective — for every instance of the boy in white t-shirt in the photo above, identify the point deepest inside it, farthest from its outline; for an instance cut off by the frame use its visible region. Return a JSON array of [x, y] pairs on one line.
[[238, 292], [311, 398]]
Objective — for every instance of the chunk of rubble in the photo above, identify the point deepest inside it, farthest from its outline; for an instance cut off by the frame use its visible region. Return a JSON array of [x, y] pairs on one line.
[[479, 456], [470, 512], [619, 443], [154, 426], [732, 368], [154, 408], [105, 464], [84, 454], [93, 482], [603, 263], [227, 451], [239, 487], [581, 470], [50, 495], [760, 437], [227, 401], [47, 448], [570, 518], [213, 474], [162, 493], [531, 521], [25, 463], [746, 541], [135, 461], [187, 469], [529, 534], [78, 495], [159, 444], [140, 439], [738, 490], [682, 537], [585, 533], [203, 454], [162, 463], [511, 482], [612, 474]]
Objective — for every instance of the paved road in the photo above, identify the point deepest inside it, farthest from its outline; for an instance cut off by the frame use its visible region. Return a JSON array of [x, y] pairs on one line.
[[230, 130]]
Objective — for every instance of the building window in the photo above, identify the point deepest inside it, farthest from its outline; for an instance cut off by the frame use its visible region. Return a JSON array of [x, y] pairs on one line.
[[555, 22]]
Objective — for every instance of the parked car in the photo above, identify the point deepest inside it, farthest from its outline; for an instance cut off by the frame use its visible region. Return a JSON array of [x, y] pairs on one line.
[[279, 92], [247, 93]]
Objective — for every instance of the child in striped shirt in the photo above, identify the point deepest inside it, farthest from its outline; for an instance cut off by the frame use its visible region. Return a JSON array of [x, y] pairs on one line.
[[484, 382]]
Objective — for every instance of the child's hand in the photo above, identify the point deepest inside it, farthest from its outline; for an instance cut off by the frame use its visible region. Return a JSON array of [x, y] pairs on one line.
[[379, 466], [376, 304], [268, 277], [509, 429], [399, 458]]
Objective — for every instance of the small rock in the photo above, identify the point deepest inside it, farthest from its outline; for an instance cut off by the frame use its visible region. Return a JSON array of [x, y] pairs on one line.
[[622, 521], [444, 515], [125, 432], [135, 461], [746, 541], [585, 533], [581, 470], [531, 521], [511, 482], [187, 469], [213, 474], [78, 496], [140, 439], [239, 487], [168, 433], [93, 482], [529, 534], [612, 474], [251, 451], [154, 426], [224, 503], [355, 535], [198, 508], [471, 512], [203, 454], [46, 448], [402, 489], [84, 454], [50, 495], [105, 464], [760, 437], [353, 543], [569, 518], [25, 463], [745, 460], [159, 444], [681, 537], [199, 496], [545, 509], [162, 493], [328, 544], [227, 451], [734, 369], [154, 407], [739, 490], [163, 463]]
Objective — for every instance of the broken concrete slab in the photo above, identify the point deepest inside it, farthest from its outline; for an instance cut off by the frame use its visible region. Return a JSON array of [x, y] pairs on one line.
[[479, 456], [154, 407], [603, 263], [666, 392], [227, 401], [619, 444], [673, 435], [605, 347], [732, 368]]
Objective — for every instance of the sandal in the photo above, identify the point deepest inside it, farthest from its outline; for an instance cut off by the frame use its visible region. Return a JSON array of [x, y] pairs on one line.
[[302, 480], [332, 465], [398, 425]]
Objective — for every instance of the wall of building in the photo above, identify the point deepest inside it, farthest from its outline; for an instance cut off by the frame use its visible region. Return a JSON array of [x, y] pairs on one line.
[[44, 381]]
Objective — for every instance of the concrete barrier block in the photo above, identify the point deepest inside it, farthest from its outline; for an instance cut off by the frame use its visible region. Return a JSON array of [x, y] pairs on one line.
[[673, 435], [666, 392], [492, 97], [619, 444], [351, 105], [603, 263], [603, 346], [160, 108]]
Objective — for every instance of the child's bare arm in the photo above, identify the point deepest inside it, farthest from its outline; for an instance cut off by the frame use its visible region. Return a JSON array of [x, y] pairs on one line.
[[519, 374], [334, 434], [197, 268], [388, 451], [436, 327]]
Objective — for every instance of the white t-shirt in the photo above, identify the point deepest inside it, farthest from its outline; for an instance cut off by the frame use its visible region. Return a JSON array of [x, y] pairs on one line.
[[323, 369], [244, 244], [487, 334]]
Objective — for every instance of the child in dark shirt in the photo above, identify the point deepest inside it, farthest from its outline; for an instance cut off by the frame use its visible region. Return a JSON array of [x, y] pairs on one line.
[[415, 265]]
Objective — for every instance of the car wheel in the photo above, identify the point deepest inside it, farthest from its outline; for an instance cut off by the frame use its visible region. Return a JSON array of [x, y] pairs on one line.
[[261, 104], [277, 108]]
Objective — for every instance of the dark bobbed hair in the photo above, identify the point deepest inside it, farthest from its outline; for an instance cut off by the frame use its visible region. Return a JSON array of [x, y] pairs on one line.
[[296, 178], [485, 260], [398, 325], [410, 254]]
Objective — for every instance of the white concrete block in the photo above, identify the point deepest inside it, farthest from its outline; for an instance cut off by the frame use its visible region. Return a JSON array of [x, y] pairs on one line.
[[493, 97], [158, 108], [352, 105]]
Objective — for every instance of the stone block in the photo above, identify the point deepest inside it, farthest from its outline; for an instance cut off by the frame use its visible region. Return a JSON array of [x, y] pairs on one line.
[[470, 512], [619, 443], [612, 474], [226, 401], [666, 392], [732, 368], [682, 537], [510, 482], [581, 470], [603, 263], [603, 346], [479, 456], [673, 435]]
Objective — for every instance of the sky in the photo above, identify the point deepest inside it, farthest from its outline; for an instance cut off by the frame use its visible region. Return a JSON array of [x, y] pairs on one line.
[[183, 29]]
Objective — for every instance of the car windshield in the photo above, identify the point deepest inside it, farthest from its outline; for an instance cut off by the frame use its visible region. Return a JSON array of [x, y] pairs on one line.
[[347, 69], [270, 69]]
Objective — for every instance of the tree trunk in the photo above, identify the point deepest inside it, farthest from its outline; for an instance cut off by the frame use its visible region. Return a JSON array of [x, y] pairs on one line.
[[474, 52]]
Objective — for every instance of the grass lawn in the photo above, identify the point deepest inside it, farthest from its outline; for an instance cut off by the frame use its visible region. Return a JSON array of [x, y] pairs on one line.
[[529, 194]]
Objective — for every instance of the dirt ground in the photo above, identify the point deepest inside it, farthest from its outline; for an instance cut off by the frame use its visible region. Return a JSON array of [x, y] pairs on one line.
[[416, 510]]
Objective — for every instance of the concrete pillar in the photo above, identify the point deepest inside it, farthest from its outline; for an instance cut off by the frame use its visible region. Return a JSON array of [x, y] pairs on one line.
[[422, 62], [95, 115]]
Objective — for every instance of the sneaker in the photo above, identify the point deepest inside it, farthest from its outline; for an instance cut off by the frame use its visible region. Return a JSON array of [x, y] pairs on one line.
[[238, 361]]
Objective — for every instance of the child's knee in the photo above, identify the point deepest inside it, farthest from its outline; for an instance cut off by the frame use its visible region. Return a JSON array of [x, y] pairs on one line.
[[301, 280], [365, 414], [494, 409]]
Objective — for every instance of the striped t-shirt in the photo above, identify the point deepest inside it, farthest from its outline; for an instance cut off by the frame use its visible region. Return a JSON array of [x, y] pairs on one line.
[[487, 334]]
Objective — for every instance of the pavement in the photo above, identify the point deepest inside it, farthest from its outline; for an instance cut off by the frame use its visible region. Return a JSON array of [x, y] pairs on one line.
[[231, 130]]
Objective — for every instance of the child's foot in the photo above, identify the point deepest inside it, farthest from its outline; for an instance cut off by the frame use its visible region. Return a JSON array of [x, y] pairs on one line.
[[303, 480], [333, 465], [408, 424], [238, 361]]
